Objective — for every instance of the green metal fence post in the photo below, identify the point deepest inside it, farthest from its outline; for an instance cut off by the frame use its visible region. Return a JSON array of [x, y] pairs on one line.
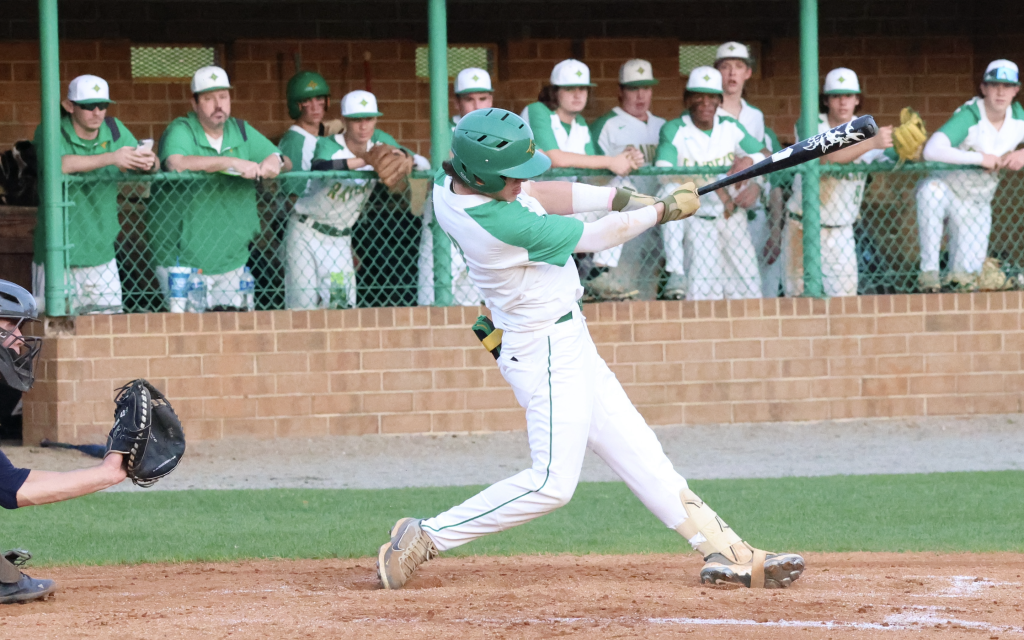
[[440, 140], [51, 197], [809, 127]]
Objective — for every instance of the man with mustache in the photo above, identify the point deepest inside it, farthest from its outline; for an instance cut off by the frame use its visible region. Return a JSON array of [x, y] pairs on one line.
[[208, 223]]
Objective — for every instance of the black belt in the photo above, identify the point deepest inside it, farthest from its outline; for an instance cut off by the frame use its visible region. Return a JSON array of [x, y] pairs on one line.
[[326, 229], [800, 218]]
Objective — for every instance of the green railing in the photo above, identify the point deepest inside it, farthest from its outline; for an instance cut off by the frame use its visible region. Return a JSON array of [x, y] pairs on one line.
[[341, 239]]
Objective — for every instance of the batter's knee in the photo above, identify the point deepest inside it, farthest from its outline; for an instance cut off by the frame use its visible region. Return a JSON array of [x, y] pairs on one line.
[[559, 490]]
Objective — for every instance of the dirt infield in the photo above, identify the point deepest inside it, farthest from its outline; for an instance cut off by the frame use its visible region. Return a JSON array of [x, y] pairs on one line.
[[849, 595]]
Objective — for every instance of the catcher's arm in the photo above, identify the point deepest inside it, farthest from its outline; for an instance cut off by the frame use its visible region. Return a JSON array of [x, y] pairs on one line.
[[44, 487]]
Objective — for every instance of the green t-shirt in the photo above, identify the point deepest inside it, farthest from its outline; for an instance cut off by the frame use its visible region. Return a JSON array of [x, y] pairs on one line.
[[539, 117], [206, 223], [92, 221]]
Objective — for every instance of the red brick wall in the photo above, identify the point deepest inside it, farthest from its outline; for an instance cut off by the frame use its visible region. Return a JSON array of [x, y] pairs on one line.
[[932, 74], [299, 373]]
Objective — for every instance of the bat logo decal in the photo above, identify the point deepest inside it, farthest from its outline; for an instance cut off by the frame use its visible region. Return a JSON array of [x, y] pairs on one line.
[[840, 136], [782, 155]]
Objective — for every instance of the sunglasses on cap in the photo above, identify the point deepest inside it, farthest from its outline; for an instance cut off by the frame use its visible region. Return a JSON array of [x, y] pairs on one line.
[[1002, 74], [102, 106]]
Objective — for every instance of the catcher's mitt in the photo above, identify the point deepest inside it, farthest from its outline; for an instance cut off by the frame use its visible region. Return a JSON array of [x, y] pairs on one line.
[[392, 165], [147, 432], [908, 139]]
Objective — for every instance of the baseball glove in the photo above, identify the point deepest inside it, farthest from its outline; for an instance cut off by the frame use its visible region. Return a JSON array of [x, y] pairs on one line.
[[392, 165], [908, 139], [147, 432]]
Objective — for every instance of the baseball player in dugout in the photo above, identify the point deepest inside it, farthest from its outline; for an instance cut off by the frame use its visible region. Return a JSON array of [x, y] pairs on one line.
[[320, 270], [210, 225], [710, 256], [518, 237], [984, 131], [472, 90], [25, 487], [734, 62], [627, 128], [93, 143], [309, 98], [841, 195]]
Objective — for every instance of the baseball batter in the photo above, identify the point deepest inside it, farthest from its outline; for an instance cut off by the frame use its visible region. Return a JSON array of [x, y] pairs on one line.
[[841, 196], [518, 237], [25, 487], [982, 132], [320, 270], [720, 261], [734, 62], [631, 125], [473, 91]]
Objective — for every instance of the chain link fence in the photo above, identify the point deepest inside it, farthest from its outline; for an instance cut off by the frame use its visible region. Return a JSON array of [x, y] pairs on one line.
[[341, 239]]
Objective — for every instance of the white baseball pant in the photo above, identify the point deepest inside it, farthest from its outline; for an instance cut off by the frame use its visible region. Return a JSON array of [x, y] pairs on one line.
[[838, 260], [90, 289], [311, 258], [572, 401], [771, 274], [719, 257], [970, 223]]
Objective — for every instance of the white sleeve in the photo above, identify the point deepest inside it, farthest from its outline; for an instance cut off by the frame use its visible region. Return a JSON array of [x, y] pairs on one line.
[[615, 229], [940, 149]]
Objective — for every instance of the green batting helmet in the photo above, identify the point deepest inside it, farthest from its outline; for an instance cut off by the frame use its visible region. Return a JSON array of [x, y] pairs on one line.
[[490, 145], [303, 86]]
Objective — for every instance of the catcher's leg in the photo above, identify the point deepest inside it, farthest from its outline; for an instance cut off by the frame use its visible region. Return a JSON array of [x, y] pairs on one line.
[[15, 586]]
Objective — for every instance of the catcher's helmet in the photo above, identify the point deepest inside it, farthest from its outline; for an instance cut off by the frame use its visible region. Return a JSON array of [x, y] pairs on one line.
[[18, 355], [490, 145], [303, 86]]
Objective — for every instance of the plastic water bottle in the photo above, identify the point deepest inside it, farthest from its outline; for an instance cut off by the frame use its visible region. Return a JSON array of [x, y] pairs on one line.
[[247, 289], [196, 292]]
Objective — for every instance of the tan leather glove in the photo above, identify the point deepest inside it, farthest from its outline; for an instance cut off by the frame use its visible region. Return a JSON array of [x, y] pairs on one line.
[[627, 199], [680, 204]]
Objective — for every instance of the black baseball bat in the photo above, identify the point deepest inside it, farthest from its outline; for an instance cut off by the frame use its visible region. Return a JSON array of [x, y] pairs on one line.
[[94, 450], [845, 135]]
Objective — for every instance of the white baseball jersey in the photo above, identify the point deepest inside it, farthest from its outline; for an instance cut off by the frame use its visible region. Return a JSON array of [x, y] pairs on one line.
[[551, 133], [299, 145], [969, 130], [337, 202], [841, 197], [682, 144], [751, 118], [519, 256], [616, 130]]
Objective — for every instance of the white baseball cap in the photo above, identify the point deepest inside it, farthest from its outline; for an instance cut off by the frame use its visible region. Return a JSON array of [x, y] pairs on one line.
[[210, 78], [637, 73], [1002, 71], [359, 104], [473, 80], [89, 90], [736, 50], [705, 80], [841, 82], [571, 73]]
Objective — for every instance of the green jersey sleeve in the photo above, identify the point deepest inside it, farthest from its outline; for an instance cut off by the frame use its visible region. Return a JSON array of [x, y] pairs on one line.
[[291, 147], [667, 151], [258, 147], [748, 143], [325, 149], [540, 121], [385, 137], [177, 140], [957, 127], [546, 238]]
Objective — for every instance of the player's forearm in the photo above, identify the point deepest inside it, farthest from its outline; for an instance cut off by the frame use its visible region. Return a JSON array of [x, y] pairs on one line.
[[566, 159], [616, 228], [83, 164], [849, 154], [44, 487], [211, 164], [939, 149]]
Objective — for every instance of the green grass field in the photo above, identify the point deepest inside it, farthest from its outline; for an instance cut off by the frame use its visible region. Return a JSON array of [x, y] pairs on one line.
[[926, 512]]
